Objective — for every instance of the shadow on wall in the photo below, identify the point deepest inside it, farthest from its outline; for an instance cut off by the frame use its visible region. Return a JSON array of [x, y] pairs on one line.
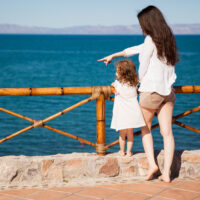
[[176, 164]]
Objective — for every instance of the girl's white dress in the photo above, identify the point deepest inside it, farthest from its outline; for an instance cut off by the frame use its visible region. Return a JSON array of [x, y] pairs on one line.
[[126, 109]]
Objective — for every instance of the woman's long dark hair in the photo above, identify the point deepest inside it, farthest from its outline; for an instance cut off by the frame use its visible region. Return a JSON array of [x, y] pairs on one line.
[[153, 23]]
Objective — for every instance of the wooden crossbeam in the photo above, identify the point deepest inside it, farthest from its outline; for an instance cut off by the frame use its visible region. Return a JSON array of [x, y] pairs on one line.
[[70, 135], [67, 110], [17, 115], [41, 122], [188, 112], [50, 91], [16, 133], [77, 90], [187, 127]]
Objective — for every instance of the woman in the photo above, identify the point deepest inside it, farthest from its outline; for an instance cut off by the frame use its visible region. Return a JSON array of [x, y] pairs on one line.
[[158, 56]]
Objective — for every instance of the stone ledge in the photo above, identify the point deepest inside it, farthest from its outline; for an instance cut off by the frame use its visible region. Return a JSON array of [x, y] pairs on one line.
[[64, 168]]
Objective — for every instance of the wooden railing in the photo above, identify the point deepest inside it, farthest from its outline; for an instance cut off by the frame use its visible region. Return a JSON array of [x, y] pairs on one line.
[[100, 93]]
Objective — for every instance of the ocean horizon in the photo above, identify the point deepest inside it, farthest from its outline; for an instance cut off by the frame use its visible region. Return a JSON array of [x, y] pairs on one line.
[[131, 29]]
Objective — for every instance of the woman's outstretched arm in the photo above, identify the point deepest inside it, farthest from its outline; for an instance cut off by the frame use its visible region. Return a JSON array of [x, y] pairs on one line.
[[107, 60], [125, 53]]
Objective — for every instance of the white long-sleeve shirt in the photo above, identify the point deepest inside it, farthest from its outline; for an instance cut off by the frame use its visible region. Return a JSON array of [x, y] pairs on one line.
[[154, 74]]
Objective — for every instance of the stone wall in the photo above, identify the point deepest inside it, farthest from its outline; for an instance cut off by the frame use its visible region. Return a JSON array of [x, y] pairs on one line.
[[35, 170]]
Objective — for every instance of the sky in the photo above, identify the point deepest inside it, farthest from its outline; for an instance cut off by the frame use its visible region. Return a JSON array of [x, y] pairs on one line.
[[67, 13]]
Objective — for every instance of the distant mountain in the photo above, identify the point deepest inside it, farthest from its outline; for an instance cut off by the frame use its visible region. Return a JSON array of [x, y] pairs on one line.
[[90, 30]]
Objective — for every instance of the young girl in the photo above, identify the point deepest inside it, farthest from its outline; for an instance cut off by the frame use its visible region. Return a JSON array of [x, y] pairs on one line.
[[126, 111]]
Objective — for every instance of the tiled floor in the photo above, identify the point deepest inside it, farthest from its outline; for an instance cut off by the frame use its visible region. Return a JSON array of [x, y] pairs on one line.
[[154, 190]]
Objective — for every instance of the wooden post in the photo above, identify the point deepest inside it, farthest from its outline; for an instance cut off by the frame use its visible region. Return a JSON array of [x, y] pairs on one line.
[[100, 115]]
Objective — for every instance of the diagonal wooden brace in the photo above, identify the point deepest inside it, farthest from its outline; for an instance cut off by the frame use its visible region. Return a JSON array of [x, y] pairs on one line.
[[40, 123]]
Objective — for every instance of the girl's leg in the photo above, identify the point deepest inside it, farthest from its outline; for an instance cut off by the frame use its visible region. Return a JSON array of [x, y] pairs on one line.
[[129, 142], [122, 140], [147, 141], [165, 122]]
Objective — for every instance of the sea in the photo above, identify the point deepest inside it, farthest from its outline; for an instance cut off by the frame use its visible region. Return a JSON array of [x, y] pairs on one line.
[[40, 61]]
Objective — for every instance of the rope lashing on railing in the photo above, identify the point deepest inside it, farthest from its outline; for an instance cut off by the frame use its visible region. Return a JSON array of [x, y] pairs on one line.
[[107, 91], [38, 123], [101, 148], [96, 91]]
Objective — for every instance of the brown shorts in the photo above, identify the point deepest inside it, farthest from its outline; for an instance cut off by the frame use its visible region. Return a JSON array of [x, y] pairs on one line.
[[154, 100]]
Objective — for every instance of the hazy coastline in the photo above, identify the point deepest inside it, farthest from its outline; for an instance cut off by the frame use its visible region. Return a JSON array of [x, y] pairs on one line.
[[178, 29]]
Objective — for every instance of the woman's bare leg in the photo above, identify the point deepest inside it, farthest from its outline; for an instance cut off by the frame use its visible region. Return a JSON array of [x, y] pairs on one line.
[[147, 141], [122, 141], [165, 122], [129, 142]]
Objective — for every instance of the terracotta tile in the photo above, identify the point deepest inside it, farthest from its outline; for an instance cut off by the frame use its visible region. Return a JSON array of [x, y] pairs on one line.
[[127, 196], [75, 197], [190, 185], [161, 183], [9, 198], [98, 192], [146, 188], [46, 194], [178, 194], [68, 189], [160, 198], [21, 192], [198, 198]]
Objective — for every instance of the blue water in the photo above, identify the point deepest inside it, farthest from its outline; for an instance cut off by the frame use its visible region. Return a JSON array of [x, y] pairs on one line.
[[63, 61]]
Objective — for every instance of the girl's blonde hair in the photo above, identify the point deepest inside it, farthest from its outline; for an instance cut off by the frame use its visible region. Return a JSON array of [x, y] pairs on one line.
[[127, 73]]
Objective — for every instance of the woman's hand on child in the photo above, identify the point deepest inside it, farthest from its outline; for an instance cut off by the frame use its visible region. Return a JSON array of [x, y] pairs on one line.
[[107, 60]]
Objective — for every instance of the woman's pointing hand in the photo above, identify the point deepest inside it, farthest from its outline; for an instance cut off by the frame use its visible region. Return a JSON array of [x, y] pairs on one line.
[[107, 60]]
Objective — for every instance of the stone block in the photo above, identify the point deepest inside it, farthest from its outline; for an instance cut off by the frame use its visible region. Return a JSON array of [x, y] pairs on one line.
[[74, 163], [45, 165], [110, 168], [31, 174], [130, 171], [73, 168], [143, 163], [192, 158], [55, 174]]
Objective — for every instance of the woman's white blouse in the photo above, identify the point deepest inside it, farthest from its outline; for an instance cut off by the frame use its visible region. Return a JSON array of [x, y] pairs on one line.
[[154, 74]]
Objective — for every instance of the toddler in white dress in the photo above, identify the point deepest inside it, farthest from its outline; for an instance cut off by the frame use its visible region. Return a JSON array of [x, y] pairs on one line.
[[126, 110]]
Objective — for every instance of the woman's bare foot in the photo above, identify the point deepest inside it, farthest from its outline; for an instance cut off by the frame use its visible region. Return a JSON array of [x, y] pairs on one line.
[[129, 154], [121, 153], [151, 172], [165, 179]]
